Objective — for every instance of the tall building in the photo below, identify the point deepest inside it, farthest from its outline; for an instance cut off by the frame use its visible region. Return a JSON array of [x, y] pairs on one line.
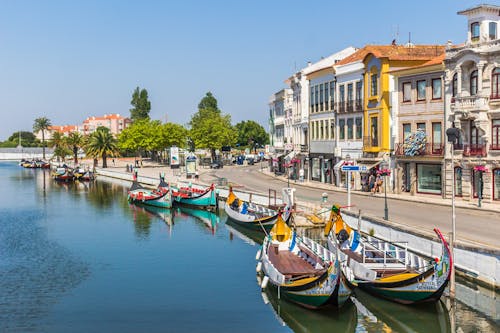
[[114, 122], [472, 105]]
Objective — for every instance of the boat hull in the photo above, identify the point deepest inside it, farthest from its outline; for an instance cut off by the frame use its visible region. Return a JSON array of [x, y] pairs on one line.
[[206, 200], [151, 199]]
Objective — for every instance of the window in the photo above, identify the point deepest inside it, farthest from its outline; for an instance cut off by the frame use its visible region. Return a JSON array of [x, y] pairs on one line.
[[473, 83], [496, 184], [429, 178], [332, 129], [321, 97], [316, 97], [332, 93], [495, 134], [458, 181], [374, 131], [350, 129], [454, 85], [407, 92], [406, 130], [436, 138], [374, 85], [421, 85], [325, 87], [342, 129], [322, 133], [359, 128], [341, 98], [474, 31], [421, 127], [359, 94], [493, 30], [311, 98], [349, 93], [495, 83], [436, 89]]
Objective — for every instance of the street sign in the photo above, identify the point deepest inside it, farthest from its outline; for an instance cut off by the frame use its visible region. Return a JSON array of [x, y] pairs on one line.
[[353, 168], [261, 154]]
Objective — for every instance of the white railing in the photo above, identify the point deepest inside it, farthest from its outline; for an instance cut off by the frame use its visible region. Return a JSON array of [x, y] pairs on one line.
[[318, 249], [470, 102]]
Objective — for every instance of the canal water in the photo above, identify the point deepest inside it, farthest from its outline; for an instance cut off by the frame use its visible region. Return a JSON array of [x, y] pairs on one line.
[[80, 258]]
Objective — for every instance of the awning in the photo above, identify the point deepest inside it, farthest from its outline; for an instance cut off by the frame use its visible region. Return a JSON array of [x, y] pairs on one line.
[[339, 164], [369, 166], [290, 156]]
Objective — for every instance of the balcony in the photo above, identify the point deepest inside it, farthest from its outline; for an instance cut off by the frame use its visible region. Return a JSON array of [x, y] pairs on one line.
[[474, 149], [369, 142], [469, 103], [495, 146], [428, 149]]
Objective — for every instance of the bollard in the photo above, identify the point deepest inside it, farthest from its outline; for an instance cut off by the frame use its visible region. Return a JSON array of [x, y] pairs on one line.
[[324, 197]]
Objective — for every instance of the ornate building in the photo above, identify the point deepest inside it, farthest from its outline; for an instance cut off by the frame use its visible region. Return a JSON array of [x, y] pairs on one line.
[[473, 106]]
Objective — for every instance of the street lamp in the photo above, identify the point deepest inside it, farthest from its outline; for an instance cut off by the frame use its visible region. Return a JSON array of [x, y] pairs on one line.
[[453, 135], [479, 184], [384, 172], [348, 159]]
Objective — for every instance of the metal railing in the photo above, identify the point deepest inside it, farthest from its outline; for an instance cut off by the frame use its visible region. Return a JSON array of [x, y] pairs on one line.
[[474, 149], [432, 149]]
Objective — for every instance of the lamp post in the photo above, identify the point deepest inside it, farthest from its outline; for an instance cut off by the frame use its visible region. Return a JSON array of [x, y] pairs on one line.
[[348, 159], [479, 184], [384, 167], [453, 135]]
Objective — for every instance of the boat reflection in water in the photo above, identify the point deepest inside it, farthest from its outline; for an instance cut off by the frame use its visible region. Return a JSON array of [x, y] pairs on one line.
[[329, 319], [142, 215], [379, 315], [209, 219], [247, 235]]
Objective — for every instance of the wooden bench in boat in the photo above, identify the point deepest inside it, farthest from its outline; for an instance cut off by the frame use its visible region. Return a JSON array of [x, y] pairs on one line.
[[292, 265]]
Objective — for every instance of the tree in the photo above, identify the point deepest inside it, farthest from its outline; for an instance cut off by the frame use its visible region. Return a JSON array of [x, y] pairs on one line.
[[208, 102], [75, 141], [141, 105], [210, 128], [102, 144], [173, 135], [251, 134], [28, 139], [58, 142], [42, 124], [142, 135]]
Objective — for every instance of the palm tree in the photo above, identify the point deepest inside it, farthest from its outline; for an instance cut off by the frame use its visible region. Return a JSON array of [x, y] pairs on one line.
[[42, 124], [74, 141], [58, 143], [102, 144]]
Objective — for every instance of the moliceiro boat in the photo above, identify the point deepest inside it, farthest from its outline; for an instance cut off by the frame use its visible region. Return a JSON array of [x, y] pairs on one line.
[[199, 198], [388, 269], [84, 174], [160, 197], [303, 271], [255, 216], [62, 174]]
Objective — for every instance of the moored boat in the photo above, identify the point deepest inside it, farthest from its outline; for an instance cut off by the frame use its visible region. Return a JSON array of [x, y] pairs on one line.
[[255, 216], [63, 175], [199, 198], [84, 175], [159, 197], [300, 269], [388, 269]]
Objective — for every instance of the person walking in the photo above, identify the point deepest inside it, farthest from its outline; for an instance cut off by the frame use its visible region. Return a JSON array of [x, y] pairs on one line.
[[371, 183], [378, 183]]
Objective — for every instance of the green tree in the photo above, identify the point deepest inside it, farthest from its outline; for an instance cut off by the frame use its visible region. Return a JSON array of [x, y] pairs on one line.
[[143, 135], [102, 144], [75, 141], [173, 135], [42, 124], [251, 134], [58, 142], [141, 105], [28, 139], [210, 128]]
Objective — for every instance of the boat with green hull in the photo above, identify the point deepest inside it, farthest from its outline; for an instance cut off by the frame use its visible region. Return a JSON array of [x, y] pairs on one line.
[[301, 270], [388, 269], [199, 198], [159, 197]]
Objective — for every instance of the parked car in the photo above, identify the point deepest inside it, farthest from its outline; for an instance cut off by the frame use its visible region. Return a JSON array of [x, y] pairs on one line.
[[217, 164]]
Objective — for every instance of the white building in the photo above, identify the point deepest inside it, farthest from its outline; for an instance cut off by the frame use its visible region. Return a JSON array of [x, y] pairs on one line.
[[472, 83], [322, 92]]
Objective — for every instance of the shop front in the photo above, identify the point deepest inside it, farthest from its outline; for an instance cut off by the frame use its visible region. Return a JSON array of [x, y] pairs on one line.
[[496, 184], [322, 169], [429, 178]]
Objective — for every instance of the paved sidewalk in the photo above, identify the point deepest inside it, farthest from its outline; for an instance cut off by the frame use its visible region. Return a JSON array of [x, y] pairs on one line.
[[432, 199]]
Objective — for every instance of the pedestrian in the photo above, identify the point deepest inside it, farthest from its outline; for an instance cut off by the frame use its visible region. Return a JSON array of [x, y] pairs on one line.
[[371, 183], [378, 183], [113, 161]]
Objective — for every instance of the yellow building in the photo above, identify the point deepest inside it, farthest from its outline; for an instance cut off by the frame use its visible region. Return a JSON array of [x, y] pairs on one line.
[[380, 106]]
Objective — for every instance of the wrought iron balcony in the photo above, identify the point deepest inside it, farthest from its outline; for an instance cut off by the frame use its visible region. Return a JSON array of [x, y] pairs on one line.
[[427, 149], [474, 149], [495, 146]]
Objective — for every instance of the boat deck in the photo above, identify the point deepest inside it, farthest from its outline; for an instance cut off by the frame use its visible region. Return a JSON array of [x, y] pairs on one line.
[[291, 265]]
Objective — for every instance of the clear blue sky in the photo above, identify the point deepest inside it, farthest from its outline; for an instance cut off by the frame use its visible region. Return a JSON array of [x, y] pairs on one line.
[[67, 60]]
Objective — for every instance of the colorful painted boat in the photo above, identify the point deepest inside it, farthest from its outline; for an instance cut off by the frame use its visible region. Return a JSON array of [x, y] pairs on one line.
[[255, 216], [160, 197], [84, 175], [200, 198], [386, 269], [63, 175], [300, 269]]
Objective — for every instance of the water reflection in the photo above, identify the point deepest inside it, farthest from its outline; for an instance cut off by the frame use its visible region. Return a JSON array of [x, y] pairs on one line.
[[208, 219], [249, 236], [377, 315], [303, 320], [142, 215]]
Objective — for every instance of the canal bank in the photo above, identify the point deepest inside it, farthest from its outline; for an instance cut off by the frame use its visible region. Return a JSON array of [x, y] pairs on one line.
[[473, 260]]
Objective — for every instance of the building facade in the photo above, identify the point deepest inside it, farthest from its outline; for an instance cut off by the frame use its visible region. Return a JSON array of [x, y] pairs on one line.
[[472, 83], [114, 122], [322, 120], [419, 148]]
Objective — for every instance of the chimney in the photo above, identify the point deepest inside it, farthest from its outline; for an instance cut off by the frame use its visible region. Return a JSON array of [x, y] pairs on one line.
[[309, 63]]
